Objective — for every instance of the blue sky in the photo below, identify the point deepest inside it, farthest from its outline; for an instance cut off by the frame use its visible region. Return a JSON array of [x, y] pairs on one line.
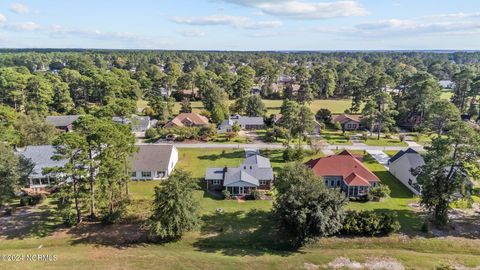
[[241, 24]]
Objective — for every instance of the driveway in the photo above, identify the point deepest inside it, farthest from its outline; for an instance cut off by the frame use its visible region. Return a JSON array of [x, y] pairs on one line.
[[380, 157]]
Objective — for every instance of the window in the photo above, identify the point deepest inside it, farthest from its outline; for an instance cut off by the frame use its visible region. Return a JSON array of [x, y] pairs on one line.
[[160, 174], [263, 182], [134, 174], [410, 182], [216, 182], [146, 174]]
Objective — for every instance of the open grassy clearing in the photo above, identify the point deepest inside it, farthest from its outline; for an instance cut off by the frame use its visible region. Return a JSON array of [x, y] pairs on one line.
[[242, 237]]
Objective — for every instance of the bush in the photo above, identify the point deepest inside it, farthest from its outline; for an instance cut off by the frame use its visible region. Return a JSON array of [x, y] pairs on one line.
[[151, 133], [388, 136], [226, 194], [402, 137], [337, 126], [32, 199], [425, 226], [291, 154], [365, 136], [69, 218], [369, 223], [380, 191], [257, 195]]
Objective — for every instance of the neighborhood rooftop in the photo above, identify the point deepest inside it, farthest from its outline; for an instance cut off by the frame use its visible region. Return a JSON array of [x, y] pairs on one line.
[[62, 121], [152, 157], [41, 157]]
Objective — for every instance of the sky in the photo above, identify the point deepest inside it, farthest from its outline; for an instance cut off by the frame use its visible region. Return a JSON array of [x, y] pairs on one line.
[[242, 25]]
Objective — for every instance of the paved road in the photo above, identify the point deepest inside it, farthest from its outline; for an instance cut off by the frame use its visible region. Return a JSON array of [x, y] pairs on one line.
[[279, 146]]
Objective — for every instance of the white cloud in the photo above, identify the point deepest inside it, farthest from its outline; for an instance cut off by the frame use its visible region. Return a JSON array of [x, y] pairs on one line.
[[19, 8], [409, 26], [459, 15], [305, 10], [211, 20], [2, 18], [25, 26], [192, 33], [234, 21]]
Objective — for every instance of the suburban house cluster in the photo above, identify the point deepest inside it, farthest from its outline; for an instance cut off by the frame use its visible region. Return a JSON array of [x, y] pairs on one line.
[[150, 162]]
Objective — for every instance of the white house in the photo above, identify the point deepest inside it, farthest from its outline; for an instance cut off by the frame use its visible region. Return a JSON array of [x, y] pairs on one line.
[[401, 166], [153, 161], [41, 157], [245, 122]]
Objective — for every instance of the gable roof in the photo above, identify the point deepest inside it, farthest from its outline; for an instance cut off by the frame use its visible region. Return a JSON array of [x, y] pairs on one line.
[[400, 153], [261, 162], [234, 175], [344, 164], [342, 118], [152, 157], [413, 157], [62, 120], [244, 120], [194, 118], [138, 123], [41, 157]]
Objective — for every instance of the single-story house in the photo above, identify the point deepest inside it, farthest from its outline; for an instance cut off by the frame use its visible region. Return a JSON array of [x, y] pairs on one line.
[[188, 120], [153, 161], [245, 122], [401, 166], [255, 173], [139, 124], [446, 84], [62, 122], [349, 122], [41, 157], [346, 172]]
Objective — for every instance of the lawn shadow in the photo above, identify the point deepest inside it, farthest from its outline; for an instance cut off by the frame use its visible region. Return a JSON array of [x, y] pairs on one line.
[[31, 221], [116, 235], [223, 155], [242, 233], [410, 221]]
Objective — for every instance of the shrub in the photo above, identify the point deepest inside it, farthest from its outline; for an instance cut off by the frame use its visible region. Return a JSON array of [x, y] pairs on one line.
[[337, 126], [257, 195], [425, 226], [380, 191], [370, 223], [226, 194], [402, 137], [151, 133], [32, 199], [291, 154], [365, 136], [388, 136], [69, 218]]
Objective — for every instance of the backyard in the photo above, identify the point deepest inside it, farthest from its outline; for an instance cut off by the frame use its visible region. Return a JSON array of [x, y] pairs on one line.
[[243, 236]]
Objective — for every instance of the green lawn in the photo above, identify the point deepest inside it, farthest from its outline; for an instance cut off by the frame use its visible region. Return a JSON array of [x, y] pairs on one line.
[[336, 137], [372, 141], [244, 236]]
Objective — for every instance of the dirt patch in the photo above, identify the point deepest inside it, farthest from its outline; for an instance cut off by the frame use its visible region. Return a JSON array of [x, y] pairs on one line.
[[116, 235], [310, 266], [372, 263]]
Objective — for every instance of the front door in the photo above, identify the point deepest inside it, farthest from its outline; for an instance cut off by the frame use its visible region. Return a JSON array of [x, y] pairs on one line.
[[242, 190]]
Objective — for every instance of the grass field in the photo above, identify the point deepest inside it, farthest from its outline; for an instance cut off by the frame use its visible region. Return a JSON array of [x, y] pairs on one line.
[[336, 106], [242, 237]]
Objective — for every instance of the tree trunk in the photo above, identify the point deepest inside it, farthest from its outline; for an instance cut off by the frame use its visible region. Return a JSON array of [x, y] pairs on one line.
[[380, 120], [92, 186], [77, 205]]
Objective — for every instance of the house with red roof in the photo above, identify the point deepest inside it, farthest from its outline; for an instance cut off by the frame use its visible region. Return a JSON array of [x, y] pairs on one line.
[[346, 172], [188, 120]]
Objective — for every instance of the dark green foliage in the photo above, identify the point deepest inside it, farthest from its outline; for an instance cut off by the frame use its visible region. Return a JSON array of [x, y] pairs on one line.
[[13, 171], [370, 223], [324, 116], [257, 195], [226, 194], [174, 208], [380, 191], [292, 154], [303, 206]]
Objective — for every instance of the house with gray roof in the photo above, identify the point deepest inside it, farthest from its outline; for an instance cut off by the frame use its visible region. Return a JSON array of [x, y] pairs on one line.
[[139, 124], [62, 122], [41, 157], [401, 166], [245, 122], [255, 173], [153, 161]]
